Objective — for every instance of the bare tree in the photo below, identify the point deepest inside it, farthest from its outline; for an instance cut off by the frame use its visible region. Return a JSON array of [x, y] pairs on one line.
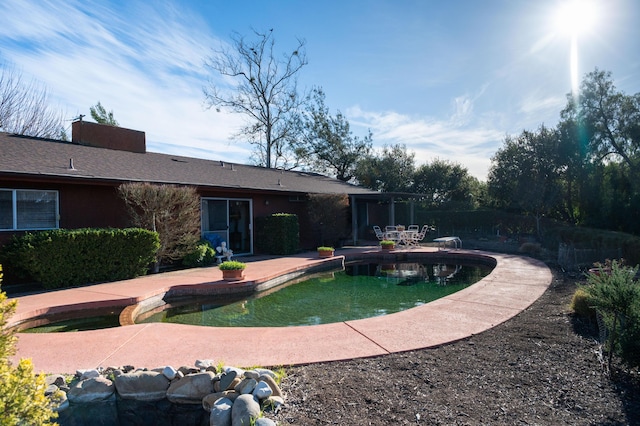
[[265, 91], [172, 211], [25, 109]]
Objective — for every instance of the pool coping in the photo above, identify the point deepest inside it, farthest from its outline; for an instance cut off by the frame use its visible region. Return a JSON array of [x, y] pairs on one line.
[[515, 283]]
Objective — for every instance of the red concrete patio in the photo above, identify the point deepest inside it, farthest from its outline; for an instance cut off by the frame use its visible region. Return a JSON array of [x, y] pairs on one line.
[[515, 283]]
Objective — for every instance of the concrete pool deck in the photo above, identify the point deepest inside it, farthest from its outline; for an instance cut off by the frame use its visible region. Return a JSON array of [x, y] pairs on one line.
[[515, 283]]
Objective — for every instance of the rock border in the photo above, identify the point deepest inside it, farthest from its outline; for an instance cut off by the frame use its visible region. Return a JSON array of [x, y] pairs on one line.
[[232, 396]]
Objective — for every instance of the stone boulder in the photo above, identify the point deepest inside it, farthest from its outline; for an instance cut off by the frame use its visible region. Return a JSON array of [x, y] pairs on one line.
[[221, 412], [209, 400], [191, 388], [170, 372], [268, 379], [142, 385], [246, 386], [96, 389], [262, 390], [227, 379], [245, 410]]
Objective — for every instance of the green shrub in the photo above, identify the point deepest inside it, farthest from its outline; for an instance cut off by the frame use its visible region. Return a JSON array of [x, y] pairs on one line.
[[232, 265], [202, 255], [615, 294], [580, 305], [278, 234], [22, 398], [62, 258]]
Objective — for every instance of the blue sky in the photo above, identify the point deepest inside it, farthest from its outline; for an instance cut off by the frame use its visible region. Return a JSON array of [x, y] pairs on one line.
[[447, 78]]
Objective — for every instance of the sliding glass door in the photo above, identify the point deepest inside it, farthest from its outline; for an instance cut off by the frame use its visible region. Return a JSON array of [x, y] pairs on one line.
[[229, 220]]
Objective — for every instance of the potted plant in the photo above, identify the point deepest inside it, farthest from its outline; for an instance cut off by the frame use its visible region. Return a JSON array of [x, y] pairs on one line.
[[387, 244], [232, 270], [324, 251]]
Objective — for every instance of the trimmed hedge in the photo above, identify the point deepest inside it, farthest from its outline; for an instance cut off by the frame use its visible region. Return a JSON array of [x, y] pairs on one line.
[[64, 258], [278, 234]]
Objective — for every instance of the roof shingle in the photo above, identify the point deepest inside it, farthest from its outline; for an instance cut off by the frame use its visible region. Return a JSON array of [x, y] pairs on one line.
[[41, 157]]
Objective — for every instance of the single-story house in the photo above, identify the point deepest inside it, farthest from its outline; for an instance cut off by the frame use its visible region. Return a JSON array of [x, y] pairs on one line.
[[49, 184]]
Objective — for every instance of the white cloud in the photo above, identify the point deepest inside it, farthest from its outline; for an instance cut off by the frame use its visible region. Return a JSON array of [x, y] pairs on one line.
[[148, 71], [542, 104], [470, 145]]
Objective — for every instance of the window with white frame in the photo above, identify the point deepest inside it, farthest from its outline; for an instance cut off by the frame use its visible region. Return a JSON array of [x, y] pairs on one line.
[[25, 209]]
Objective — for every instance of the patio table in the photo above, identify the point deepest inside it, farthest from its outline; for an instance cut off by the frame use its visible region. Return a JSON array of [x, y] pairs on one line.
[[401, 237]]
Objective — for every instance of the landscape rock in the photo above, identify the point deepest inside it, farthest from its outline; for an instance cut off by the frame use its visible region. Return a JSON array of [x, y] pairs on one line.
[[209, 400], [273, 404], [92, 390], [204, 364], [272, 384], [227, 379], [265, 371], [144, 396], [87, 374], [246, 386], [169, 372], [50, 389], [142, 385], [221, 412], [191, 388], [262, 390], [263, 421], [252, 374], [239, 371], [245, 410], [55, 379], [127, 368], [188, 370]]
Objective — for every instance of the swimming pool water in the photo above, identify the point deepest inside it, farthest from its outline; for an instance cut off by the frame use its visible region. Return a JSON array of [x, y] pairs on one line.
[[359, 291]]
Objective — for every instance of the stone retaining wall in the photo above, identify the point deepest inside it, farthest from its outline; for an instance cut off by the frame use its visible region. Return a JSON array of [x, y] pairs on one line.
[[203, 395]]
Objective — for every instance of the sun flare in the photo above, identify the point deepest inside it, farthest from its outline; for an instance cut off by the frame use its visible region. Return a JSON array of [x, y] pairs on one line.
[[576, 16]]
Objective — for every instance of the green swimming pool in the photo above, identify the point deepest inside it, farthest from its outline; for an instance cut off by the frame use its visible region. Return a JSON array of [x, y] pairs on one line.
[[361, 290]]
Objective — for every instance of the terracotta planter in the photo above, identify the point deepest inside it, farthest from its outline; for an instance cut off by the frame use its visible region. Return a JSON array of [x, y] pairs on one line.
[[388, 248], [232, 274], [325, 253]]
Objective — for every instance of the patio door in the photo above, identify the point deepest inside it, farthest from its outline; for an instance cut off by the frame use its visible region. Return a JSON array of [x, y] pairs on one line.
[[229, 220]]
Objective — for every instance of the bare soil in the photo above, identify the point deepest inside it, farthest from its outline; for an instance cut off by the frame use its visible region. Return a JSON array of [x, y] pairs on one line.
[[542, 367]]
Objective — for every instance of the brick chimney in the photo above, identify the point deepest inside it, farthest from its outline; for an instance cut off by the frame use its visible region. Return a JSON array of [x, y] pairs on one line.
[[106, 136]]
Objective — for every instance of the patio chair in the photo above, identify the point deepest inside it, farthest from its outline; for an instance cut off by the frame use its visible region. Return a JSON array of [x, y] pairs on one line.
[[391, 233], [420, 235], [413, 228], [379, 233]]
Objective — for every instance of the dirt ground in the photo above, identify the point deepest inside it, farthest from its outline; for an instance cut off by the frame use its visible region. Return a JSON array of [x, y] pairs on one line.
[[540, 368]]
